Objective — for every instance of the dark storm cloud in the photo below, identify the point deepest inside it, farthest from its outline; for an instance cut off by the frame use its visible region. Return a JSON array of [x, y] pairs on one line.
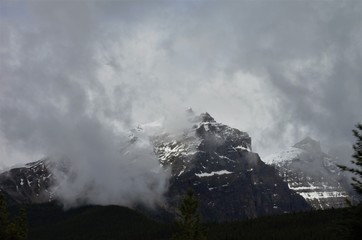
[[76, 75]]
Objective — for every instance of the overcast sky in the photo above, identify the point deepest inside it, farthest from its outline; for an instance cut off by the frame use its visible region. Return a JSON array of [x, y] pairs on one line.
[[71, 71]]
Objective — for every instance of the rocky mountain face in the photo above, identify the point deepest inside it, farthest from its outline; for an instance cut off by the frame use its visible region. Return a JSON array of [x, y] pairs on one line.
[[32, 183], [229, 179], [27, 184], [217, 161], [313, 174]]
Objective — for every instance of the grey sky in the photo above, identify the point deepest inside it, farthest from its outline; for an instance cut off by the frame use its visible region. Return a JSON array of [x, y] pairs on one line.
[[76, 75]]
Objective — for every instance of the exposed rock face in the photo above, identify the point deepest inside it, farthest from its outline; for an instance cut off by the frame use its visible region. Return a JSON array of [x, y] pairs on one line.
[[28, 184], [230, 180], [312, 173]]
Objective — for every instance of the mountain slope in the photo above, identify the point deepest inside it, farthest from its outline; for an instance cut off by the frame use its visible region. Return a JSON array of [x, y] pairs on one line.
[[230, 180], [28, 184], [312, 173]]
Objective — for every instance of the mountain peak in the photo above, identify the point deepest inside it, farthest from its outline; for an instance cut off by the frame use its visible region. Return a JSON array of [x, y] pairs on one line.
[[309, 144], [206, 117], [312, 174]]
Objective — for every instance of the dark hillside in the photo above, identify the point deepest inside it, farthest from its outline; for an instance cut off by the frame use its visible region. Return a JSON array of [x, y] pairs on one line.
[[322, 224], [49, 221]]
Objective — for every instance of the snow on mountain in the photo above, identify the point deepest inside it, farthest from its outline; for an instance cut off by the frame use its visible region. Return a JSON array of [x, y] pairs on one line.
[[312, 174], [285, 156], [205, 174]]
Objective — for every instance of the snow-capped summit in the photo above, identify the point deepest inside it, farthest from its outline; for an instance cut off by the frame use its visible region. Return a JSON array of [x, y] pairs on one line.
[[312, 173]]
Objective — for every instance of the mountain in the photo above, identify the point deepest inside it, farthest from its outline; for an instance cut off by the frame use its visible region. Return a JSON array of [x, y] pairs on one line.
[[217, 161], [230, 180], [312, 173]]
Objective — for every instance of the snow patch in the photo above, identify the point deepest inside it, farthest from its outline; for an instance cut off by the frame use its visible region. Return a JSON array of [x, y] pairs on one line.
[[319, 195], [221, 172], [243, 148], [284, 156], [182, 171]]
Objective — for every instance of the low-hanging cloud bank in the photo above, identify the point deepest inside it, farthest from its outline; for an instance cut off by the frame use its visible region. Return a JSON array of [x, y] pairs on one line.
[[75, 76]]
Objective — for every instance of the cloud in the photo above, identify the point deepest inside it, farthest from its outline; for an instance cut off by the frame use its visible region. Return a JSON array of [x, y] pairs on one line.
[[75, 76], [56, 101]]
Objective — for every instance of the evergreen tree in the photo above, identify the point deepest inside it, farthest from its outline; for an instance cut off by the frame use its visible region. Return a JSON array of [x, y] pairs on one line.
[[4, 218], [189, 221], [21, 224], [354, 224], [357, 160], [12, 230]]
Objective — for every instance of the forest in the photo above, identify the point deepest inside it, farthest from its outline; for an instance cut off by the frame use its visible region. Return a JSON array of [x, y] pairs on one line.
[[49, 221]]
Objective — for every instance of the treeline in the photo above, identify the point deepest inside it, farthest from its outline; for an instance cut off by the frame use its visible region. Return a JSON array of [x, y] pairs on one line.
[[48, 221], [93, 222], [327, 224], [12, 227]]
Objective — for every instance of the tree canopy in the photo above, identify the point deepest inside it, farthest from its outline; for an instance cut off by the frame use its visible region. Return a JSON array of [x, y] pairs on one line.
[[357, 160], [12, 229], [189, 221]]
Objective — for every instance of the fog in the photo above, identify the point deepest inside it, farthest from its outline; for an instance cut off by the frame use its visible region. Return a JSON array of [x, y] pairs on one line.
[[76, 76]]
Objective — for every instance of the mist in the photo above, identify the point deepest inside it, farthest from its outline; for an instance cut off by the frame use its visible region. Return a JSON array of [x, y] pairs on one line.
[[76, 76]]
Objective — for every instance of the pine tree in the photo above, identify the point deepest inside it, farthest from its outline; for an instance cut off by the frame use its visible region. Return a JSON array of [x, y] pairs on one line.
[[189, 221], [4, 218], [12, 230], [21, 224], [353, 226], [357, 160]]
